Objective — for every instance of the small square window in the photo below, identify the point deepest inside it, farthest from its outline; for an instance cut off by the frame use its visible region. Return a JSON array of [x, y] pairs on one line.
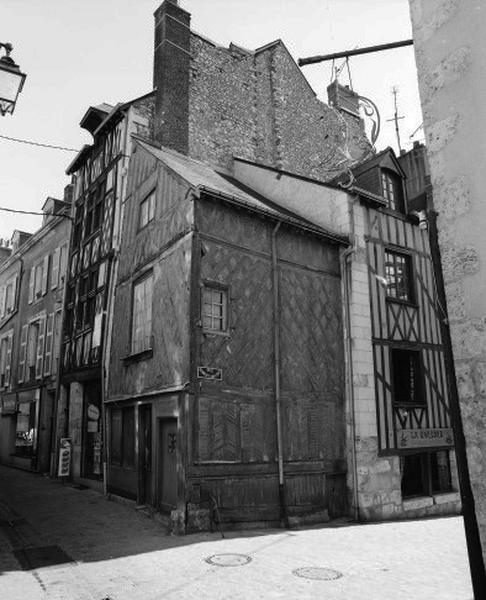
[[398, 274], [214, 309], [146, 210]]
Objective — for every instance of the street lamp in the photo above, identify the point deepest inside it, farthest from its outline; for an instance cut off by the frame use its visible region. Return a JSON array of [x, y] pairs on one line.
[[11, 81]]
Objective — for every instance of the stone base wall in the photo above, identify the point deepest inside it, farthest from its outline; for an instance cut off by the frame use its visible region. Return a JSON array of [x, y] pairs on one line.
[[379, 489]]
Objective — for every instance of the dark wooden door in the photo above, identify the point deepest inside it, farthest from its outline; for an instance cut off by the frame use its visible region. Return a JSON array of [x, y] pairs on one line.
[[167, 464], [145, 455]]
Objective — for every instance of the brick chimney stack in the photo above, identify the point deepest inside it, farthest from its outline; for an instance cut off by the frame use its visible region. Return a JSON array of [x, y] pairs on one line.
[[171, 75]]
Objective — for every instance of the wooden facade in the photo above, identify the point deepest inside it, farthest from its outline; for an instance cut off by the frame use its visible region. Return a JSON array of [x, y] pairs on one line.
[[99, 178], [409, 325], [221, 432]]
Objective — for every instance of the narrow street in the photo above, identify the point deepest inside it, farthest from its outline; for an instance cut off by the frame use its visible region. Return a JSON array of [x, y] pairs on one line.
[[58, 542]]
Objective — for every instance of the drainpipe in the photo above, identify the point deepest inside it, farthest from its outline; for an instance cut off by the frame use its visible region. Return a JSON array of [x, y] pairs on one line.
[[278, 401], [346, 275]]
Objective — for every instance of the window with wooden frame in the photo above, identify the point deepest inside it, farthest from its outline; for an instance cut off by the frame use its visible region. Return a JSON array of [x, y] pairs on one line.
[[425, 473], [214, 308], [122, 437], [398, 275], [408, 388], [392, 190], [146, 211], [142, 315]]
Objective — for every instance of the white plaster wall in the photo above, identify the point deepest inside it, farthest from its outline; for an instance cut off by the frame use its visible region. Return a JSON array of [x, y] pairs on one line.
[[450, 48]]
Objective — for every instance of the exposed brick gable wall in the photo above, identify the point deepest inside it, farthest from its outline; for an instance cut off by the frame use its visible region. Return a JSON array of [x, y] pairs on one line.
[[259, 106]]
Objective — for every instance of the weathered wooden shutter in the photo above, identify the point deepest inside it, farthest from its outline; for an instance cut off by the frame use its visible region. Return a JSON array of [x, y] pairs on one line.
[[45, 274], [23, 353], [55, 268], [49, 344], [14, 292], [40, 348], [8, 361], [63, 262], [2, 300], [31, 285]]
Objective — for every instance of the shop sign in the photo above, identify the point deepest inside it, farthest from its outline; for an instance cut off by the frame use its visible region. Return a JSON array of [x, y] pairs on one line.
[[210, 373], [64, 466], [93, 412], [9, 404], [425, 438]]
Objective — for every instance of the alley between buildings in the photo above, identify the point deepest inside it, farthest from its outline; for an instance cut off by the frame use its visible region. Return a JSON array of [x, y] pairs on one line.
[[66, 542]]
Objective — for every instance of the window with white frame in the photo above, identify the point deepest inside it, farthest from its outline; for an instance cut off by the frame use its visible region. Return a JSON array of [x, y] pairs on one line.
[[214, 308], [38, 279], [32, 342], [399, 276], [392, 190], [146, 210], [8, 297], [5, 358], [142, 315]]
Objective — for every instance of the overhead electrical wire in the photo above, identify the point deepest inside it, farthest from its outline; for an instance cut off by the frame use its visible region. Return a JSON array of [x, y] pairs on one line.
[[22, 212], [31, 143]]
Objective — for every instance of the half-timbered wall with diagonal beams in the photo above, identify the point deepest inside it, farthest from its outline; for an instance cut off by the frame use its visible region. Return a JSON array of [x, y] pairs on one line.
[[409, 325]]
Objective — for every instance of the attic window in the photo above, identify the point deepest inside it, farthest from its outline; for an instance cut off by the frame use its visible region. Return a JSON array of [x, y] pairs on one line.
[[392, 190]]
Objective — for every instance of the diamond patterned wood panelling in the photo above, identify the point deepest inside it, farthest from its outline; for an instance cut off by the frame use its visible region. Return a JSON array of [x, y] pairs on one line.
[[246, 355], [311, 332], [236, 429]]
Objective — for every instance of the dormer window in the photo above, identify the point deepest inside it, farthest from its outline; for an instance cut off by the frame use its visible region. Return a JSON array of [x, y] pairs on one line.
[[392, 190]]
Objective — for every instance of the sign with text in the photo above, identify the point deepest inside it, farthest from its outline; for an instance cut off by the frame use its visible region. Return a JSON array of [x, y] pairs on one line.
[[64, 466], [9, 404], [210, 373], [424, 438]]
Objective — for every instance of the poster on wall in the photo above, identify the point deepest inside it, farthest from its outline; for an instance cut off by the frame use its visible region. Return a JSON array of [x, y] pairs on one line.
[[64, 466]]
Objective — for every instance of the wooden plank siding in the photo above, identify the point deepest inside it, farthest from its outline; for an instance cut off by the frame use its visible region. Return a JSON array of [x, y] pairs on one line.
[[413, 326], [235, 449], [164, 248]]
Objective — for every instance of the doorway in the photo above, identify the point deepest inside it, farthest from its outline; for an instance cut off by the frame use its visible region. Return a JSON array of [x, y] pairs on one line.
[[167, 481], [145, 455]]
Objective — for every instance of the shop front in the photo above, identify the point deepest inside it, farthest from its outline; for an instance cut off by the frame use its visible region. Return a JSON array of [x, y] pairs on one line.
[[25, 429]]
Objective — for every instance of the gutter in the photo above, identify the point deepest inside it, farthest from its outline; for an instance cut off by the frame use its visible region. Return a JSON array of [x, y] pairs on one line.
[[346, 275], [278, 400]]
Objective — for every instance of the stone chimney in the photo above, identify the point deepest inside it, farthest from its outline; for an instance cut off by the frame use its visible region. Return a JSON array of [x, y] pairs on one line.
[[343, 98], [19, 238], [171, 76], [5, 250]]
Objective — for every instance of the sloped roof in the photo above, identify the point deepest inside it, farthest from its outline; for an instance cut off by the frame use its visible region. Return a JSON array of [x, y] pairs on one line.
[[206, 178]]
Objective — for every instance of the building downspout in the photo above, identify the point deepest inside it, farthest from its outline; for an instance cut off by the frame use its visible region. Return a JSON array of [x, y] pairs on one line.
[[278, 401], [346, 275]]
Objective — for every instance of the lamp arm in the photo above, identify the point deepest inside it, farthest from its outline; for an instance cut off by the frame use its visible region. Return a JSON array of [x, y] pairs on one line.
[[7, 47]]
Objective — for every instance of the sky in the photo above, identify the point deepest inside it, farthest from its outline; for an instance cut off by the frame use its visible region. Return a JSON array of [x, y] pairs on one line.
[[77, 54]]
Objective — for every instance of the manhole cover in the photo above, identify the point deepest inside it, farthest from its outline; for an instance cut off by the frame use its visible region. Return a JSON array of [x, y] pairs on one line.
[[317, 573], [228, 560]]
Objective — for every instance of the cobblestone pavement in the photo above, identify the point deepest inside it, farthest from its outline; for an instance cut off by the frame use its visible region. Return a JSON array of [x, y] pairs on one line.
[[119, 554]]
